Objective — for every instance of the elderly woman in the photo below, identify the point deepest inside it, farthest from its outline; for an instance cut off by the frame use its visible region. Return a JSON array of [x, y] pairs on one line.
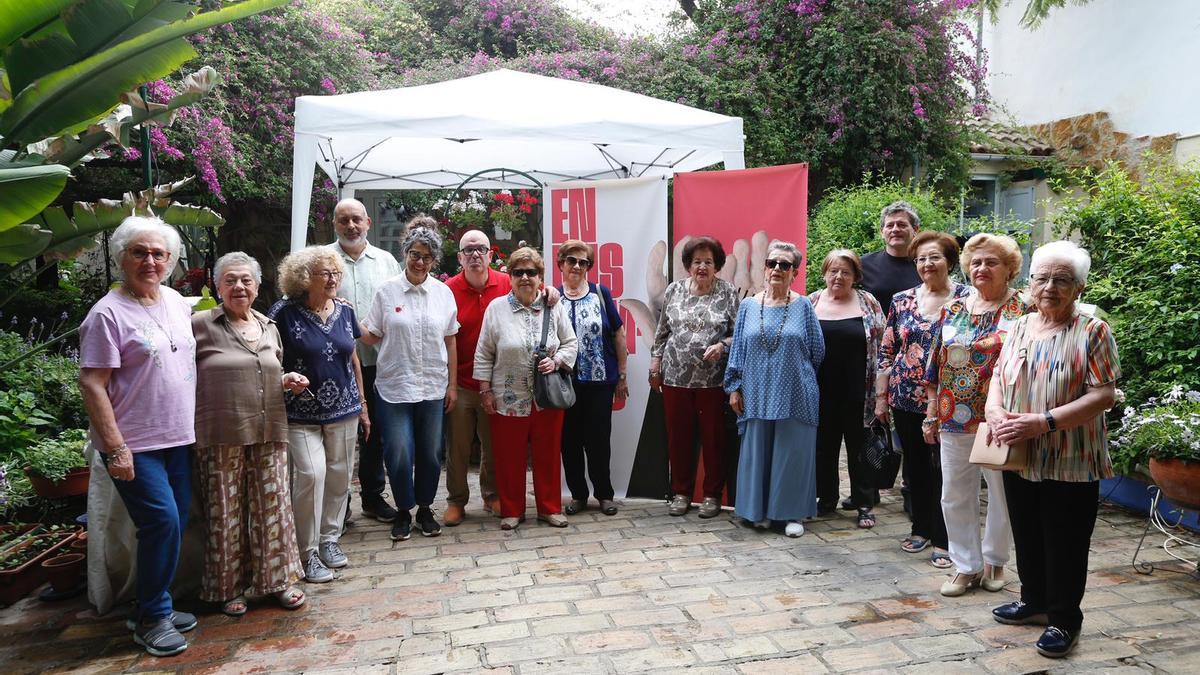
[[772, 385], [966, 343], [414, 320], [1055, 378], [687, 364], [504, 360], [318, 338], [900, 384], [241, 440], [137, 361], [599, 375], [852, 325]]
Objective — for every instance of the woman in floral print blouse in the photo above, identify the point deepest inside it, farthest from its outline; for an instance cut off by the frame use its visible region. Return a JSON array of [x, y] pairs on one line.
[[900, 387], [966, 343]]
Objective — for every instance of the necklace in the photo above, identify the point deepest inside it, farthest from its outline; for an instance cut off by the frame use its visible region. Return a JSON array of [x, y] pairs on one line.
[[250, 330], [163, 329], [575, 293], [771, 344]]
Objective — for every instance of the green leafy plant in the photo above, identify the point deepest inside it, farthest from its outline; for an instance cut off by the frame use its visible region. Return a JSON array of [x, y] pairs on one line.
[[53, 458], [1144, 239], [1166, 428], [22, 422], [849, 218], [15, 493]]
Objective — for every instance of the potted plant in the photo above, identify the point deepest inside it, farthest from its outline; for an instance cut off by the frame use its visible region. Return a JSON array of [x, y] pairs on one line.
[[1164, 435], [21, 555], [57, 467]]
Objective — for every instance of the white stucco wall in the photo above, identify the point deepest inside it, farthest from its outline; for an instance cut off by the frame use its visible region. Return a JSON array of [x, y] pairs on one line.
[[1137, 60]]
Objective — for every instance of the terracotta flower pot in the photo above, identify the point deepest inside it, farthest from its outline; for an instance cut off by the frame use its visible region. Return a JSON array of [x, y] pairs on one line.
[[64, 571], [75, 483], [1179, 480], [80, 543]]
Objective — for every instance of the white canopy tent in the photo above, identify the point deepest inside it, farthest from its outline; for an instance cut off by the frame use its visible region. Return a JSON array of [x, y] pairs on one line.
[[437, 135]]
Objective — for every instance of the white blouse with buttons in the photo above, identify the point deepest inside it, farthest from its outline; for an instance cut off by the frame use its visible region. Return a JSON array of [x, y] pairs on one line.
[[414, 322]]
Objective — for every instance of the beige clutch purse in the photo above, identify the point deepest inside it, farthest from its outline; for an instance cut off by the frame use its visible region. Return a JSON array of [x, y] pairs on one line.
[[997, 455]]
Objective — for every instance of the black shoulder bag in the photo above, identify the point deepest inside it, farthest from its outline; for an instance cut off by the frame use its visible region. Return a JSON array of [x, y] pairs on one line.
[[553, 389]]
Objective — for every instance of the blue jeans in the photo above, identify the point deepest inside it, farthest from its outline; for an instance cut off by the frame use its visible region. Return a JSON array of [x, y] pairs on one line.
[[412, 439], [157, 500]]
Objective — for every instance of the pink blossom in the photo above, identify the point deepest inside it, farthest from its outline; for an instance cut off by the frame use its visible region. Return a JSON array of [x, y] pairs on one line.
[[328, 85]]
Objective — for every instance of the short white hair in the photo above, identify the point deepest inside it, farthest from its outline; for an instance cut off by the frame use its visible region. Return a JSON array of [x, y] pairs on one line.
[[238, 259], [135, 226], [1064, 251]]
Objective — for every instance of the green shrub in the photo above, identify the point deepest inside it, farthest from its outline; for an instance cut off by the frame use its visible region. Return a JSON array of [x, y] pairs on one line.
[[849, 218], [1165, 429], [1144, 239], [52, 458], [22, 422], [50, 379]]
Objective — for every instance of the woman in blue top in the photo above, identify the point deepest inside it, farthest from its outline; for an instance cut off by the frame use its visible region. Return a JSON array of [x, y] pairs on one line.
[[318, 335], [599, 375], [772, 385]]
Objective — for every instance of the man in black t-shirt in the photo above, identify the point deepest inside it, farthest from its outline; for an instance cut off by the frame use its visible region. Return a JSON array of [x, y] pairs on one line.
[[890, 271], [887, 272]]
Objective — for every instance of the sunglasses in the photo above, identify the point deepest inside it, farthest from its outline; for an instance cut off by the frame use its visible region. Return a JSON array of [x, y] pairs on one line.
[[572, 261], [524, 272], [781, 265]]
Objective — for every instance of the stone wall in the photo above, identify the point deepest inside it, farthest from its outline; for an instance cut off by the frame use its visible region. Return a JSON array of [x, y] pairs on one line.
[[1092, 140]]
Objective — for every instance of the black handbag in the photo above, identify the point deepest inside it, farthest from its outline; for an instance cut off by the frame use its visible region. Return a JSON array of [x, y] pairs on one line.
[[881, 456], [554, 389]]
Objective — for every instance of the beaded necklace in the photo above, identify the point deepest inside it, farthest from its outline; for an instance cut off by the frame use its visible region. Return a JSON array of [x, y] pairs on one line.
[[771, 344]]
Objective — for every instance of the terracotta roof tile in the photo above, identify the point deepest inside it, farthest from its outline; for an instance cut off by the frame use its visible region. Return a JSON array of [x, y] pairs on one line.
[[988, 136]]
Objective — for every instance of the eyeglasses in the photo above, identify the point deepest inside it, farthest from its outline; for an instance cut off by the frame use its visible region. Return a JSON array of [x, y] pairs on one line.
[[781, 265], [524, 272], [702, 263], [140, 254], [474, 250], [1057, 282], [234, 281], [413, 256], [329, 275], [572, 261], [935, 259]]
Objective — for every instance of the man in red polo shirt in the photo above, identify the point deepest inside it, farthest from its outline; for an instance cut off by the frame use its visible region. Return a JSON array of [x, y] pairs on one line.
[[474, 288]]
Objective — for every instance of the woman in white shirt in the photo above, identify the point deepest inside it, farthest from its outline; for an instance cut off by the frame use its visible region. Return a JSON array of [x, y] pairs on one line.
[[504, 360], [414, 320]]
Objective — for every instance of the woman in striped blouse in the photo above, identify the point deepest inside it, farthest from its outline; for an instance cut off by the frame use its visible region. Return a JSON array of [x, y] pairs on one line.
[[1055, 378]]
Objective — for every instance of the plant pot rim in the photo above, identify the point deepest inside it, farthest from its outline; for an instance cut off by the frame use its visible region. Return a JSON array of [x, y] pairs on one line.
[[64, 559]]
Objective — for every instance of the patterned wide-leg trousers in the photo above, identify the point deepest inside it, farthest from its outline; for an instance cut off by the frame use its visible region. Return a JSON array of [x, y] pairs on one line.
[[250, 534]]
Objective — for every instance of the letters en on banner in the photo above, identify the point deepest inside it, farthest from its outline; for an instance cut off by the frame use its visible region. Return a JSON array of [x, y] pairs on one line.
[[622, 220]]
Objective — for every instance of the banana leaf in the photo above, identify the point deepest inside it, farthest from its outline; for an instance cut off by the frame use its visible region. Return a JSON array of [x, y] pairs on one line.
[[89, 88], [26, 190]]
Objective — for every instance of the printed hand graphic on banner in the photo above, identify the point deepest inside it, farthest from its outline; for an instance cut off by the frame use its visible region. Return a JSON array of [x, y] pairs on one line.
[[744, 268]]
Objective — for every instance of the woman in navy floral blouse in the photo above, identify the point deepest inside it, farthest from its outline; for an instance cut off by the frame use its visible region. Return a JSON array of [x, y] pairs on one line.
[[900, 387], [318, 335]]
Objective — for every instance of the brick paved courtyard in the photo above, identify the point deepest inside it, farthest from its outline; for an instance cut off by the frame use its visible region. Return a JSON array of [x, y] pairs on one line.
[[643, 591]]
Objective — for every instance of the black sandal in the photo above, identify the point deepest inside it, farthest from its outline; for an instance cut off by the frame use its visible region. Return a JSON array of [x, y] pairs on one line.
[[866, 519]]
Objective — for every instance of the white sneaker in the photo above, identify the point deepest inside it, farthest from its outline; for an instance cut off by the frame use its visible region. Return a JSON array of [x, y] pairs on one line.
[[794, 528]]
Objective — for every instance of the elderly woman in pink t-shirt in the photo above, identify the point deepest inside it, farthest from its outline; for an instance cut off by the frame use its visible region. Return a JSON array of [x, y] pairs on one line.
[[137, 361]]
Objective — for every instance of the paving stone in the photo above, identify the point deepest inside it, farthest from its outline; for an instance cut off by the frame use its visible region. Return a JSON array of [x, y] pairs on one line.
[[525, 650], [940, 646], [444, 662], [652, 658], [879, 655], [647, 617], [492, 633], [609, 641], [805, 663], [571, 624], [535, 610]]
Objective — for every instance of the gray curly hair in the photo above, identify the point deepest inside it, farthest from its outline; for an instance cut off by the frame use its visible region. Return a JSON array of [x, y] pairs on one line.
[[295, 271], [423, 235]]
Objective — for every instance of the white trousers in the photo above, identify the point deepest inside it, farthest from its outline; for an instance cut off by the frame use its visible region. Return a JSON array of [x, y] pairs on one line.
[[960, 506], [321, 457]]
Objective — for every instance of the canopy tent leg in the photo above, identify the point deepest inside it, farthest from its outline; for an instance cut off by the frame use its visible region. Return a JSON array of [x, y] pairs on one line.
[[304, 164]]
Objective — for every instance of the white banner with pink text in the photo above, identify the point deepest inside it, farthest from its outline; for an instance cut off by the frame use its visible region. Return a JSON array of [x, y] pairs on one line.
[[625, 222]]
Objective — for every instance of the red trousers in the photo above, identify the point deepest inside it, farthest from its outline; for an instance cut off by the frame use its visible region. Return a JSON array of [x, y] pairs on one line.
[[689, 410], [511, 437]]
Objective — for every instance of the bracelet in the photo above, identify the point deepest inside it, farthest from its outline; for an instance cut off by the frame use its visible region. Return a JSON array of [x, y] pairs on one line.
[[929, 422], [485, 392], [124, 447]]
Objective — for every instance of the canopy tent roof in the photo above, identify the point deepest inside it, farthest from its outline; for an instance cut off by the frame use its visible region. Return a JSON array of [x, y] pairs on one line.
[[437, 135]]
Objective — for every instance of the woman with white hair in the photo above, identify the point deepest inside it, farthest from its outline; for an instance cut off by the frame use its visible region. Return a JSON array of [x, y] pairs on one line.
[[771, 380], [414, 319], [137, 361], [1055, 378], [241, 441], [318, 338]]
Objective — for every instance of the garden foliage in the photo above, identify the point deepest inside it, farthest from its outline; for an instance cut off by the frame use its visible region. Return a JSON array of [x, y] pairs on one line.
[[1144, 239], [849, 218]]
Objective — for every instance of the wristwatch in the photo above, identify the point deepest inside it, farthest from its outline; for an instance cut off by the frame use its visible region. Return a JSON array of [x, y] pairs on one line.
[[1050, 421]]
